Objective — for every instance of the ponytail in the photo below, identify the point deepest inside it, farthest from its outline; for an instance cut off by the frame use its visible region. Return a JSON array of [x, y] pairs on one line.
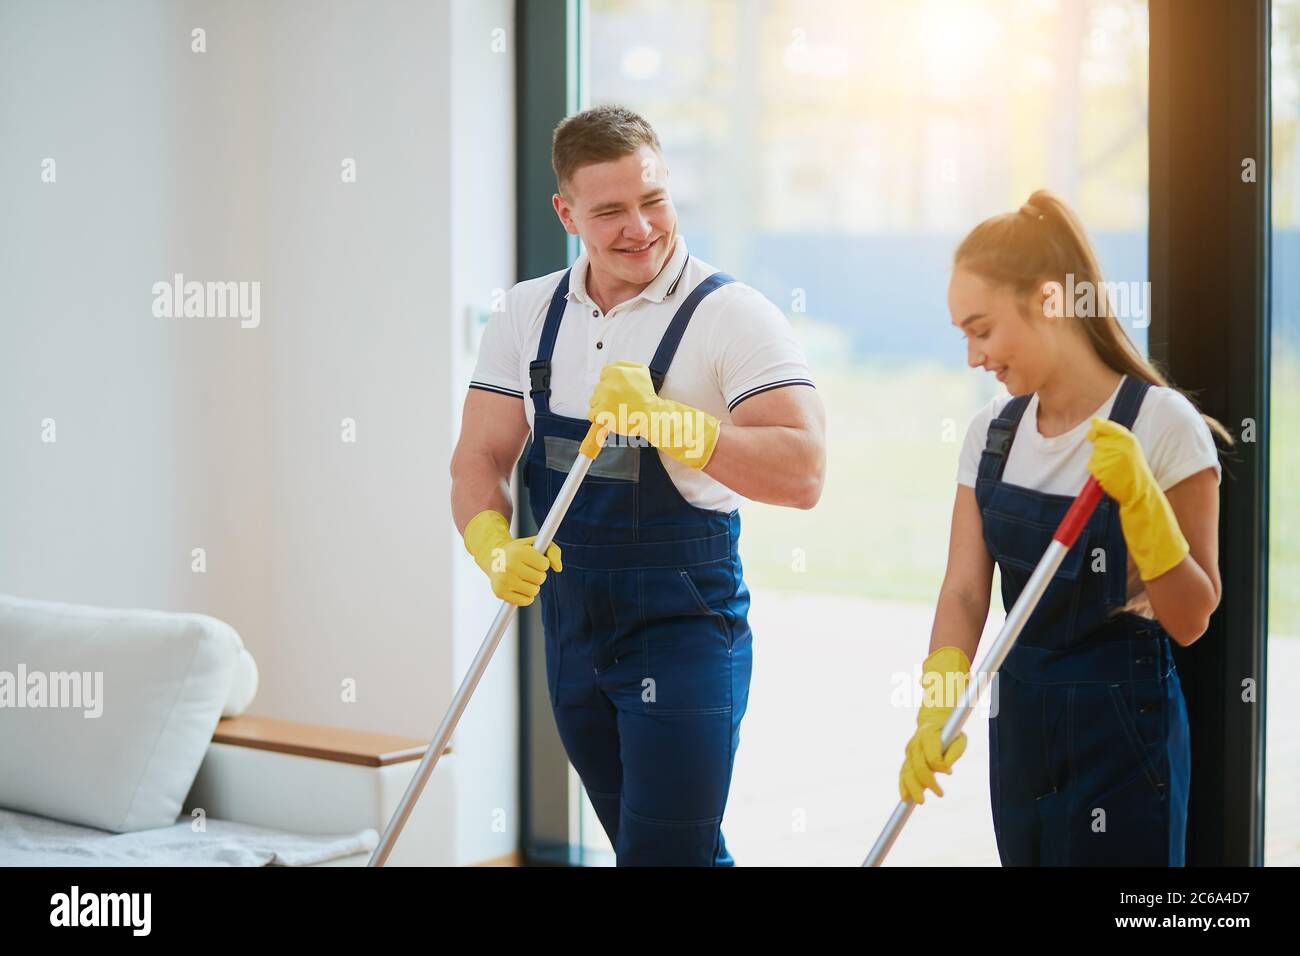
[[1044, 241]]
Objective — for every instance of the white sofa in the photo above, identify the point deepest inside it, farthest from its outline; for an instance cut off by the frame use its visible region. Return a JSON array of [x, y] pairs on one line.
[[108, 754]]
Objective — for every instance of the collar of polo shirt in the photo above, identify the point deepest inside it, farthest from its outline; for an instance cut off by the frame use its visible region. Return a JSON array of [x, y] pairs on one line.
[[660, 287]]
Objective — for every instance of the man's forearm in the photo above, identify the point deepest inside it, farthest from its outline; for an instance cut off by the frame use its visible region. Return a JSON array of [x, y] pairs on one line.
[[775, 464], [476, 485]]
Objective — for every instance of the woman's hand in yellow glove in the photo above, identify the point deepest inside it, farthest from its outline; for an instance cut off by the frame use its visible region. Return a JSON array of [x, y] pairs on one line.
[[516, 569], [943, 678], [1150, 528], [625, 396]]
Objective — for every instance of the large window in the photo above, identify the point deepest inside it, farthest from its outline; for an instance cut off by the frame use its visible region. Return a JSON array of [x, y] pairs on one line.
[[832, 154]]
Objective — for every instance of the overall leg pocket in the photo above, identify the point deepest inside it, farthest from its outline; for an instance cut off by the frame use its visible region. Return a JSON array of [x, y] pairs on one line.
[[701, 605], [1139, 712], [687, 646]]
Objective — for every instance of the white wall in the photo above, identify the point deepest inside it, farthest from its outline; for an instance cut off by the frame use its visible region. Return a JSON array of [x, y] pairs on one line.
[[335, 561]]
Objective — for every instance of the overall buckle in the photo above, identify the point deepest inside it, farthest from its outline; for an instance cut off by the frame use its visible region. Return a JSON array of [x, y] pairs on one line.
[[999, 438], [539, 375]]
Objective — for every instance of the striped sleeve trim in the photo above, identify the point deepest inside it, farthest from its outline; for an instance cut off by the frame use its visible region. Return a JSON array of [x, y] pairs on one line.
[[758, 390], [496, 388]]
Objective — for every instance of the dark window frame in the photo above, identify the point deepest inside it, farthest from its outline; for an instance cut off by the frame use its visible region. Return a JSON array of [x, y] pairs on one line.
[[1209, 245]]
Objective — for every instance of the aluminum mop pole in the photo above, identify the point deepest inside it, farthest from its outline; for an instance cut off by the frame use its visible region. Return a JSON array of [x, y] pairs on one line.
[[588, 451], [1062, 540]]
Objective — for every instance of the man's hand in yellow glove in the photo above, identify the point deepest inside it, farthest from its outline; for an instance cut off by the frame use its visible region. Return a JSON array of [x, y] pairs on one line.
[[626, 398], [943, 678], [1150, 529], [516, 569]]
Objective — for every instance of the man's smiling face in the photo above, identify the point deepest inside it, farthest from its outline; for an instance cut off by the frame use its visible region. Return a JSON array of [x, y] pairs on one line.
[[622, 210]]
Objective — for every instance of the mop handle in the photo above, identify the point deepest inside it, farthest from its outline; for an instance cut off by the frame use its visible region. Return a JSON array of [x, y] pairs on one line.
[[1067, 532], [588, 451]]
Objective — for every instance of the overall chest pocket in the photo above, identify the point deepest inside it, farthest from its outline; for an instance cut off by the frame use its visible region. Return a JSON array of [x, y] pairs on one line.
[[1018, 528], [605, 506], [1017, 545]]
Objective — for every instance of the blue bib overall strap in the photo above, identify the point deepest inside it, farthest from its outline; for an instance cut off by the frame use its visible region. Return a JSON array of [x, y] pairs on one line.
[[648, 648], [1002, 432], [1089, 745], [677, 327], [539, 370]]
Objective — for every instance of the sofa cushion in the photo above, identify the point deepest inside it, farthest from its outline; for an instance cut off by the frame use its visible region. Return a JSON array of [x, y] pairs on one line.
[[106, 714]]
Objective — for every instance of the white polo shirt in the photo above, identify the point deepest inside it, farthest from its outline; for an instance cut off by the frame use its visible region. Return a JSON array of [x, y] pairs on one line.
[[737, 345]]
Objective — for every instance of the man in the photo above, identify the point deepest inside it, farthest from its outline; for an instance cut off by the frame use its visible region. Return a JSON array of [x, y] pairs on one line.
[[648, 651]]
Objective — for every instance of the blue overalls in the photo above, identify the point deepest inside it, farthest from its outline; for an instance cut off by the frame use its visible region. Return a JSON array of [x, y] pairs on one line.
[[1089, 758], [647, 642]]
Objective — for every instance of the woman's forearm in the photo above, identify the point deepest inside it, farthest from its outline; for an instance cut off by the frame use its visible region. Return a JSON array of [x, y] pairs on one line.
[[958, 622], [1183, 599]]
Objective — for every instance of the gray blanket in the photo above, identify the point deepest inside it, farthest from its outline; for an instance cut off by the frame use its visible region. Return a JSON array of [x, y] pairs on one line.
[[27, 840]]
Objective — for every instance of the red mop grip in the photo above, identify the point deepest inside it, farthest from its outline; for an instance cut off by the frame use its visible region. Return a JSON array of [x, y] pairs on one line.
[[1079, 513]]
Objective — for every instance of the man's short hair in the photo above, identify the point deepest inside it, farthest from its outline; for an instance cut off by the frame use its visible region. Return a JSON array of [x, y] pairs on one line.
[[597, 135]]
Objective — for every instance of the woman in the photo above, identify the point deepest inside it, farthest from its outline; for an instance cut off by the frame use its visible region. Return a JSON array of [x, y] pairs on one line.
[[1088, 746]]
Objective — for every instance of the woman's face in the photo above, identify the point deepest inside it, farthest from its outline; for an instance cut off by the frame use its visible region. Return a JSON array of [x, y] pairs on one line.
[[1021, 350]]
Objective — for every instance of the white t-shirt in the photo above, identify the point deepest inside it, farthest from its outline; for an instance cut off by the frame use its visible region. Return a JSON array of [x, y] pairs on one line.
[[1175, 441], [737, 345]]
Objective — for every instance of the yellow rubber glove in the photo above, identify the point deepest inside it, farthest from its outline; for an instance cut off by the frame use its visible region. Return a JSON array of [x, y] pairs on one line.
[[944, 673], [626, 396], [1150, 529], [515, 568]]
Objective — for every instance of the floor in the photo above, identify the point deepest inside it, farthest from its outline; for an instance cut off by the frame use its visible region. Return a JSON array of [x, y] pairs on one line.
[[816, 774]]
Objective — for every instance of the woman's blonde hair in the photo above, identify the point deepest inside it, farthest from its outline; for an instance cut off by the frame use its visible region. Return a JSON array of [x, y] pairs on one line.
[[1044, 241]]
